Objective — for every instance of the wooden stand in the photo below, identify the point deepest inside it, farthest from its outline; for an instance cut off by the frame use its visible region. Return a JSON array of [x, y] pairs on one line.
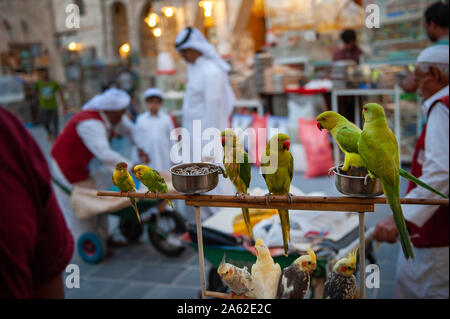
[[317, 203]]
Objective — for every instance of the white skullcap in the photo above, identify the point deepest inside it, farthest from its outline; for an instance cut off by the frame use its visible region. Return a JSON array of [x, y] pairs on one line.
[[434, 54], [153, 92], [110, 100], [191, 38]]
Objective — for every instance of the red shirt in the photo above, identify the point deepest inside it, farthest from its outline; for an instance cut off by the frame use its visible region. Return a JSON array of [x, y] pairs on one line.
[[35, 243]]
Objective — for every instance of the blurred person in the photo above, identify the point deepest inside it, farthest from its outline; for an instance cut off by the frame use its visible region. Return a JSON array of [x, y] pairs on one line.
[[46, 90], [436, 27], [427, 276], [35, 243], [350, 50], [84, 139], [152, 131], [209, 97]]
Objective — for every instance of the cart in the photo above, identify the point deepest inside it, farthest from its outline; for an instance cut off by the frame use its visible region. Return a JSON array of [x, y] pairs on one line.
[[163, 229]]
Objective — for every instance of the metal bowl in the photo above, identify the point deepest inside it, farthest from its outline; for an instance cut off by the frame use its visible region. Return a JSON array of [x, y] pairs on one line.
[[195, 184], [355, 185]]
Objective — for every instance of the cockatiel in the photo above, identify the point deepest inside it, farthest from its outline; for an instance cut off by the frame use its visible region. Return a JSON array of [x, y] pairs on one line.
[[347, 136], [237, 169], [378, 149], [341, 281], [239, 280], [265, 273], [124, 182], [152, 180], [278, 179], [295, 279]]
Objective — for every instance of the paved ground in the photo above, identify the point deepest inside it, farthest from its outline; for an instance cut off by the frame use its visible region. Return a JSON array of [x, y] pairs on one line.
[[139, 271]]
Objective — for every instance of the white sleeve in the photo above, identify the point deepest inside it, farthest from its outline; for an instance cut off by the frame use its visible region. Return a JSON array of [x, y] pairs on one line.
[[435, 169], [94, 136], [125, 128]]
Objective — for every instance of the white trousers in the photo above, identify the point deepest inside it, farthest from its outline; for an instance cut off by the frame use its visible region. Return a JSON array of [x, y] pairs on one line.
[[425, 277]]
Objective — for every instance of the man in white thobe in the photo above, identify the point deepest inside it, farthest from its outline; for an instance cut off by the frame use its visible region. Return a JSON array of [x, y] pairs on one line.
[[209, 97]]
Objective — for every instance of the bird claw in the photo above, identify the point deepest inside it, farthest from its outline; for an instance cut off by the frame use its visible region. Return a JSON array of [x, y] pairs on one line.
[[241, 195], [331, 171], [289, 198], [268, 198]]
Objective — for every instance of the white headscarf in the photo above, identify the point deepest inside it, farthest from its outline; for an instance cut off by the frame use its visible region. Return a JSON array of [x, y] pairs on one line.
[[153, 92], [434, 54], [192, 38], [111, 100]]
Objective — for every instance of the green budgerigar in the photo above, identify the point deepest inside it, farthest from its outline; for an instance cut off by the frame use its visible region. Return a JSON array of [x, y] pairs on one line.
[[237, 169], [152, 180], [347, 136], [378, 149], [124, 182], [278, 177]]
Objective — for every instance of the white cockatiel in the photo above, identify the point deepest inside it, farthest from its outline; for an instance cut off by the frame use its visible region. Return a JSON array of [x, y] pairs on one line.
[[237, 279], [265, 273]]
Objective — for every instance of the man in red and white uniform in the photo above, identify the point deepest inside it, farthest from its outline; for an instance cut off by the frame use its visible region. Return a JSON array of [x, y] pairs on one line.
[[427, 276], [86, 137]]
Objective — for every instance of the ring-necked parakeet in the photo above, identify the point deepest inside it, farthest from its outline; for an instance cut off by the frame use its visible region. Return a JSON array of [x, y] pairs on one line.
[[347, 135], [152, 180], [237, 169], [378, 149], [124, 182], [278, 179]]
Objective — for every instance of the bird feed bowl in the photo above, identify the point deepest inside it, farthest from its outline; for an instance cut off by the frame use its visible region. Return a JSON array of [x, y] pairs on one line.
[[357, 184], [195, 178]]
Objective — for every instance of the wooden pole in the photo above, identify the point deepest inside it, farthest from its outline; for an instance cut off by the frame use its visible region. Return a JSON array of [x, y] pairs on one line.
[[362, 257], [339, 200], [201, 256]]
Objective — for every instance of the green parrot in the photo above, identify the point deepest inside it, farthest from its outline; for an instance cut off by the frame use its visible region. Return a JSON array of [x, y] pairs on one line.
[[278, 179], [347, 136], [378, 149], [238, 169], [152, 180], [124, 182]]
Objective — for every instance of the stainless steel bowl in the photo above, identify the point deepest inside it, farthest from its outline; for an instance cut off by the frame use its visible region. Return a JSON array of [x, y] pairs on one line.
[[356, 185], [195, 184]]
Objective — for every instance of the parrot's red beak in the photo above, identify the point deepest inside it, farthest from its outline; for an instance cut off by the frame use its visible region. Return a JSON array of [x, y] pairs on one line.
[[319, 126], [287, 144], [223, 140]]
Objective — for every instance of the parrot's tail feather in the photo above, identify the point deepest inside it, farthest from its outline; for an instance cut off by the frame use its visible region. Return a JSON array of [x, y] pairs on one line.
[[133, 203], [170, 203], [248, 223], [414, 179], [285, 228], [393, 197]]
